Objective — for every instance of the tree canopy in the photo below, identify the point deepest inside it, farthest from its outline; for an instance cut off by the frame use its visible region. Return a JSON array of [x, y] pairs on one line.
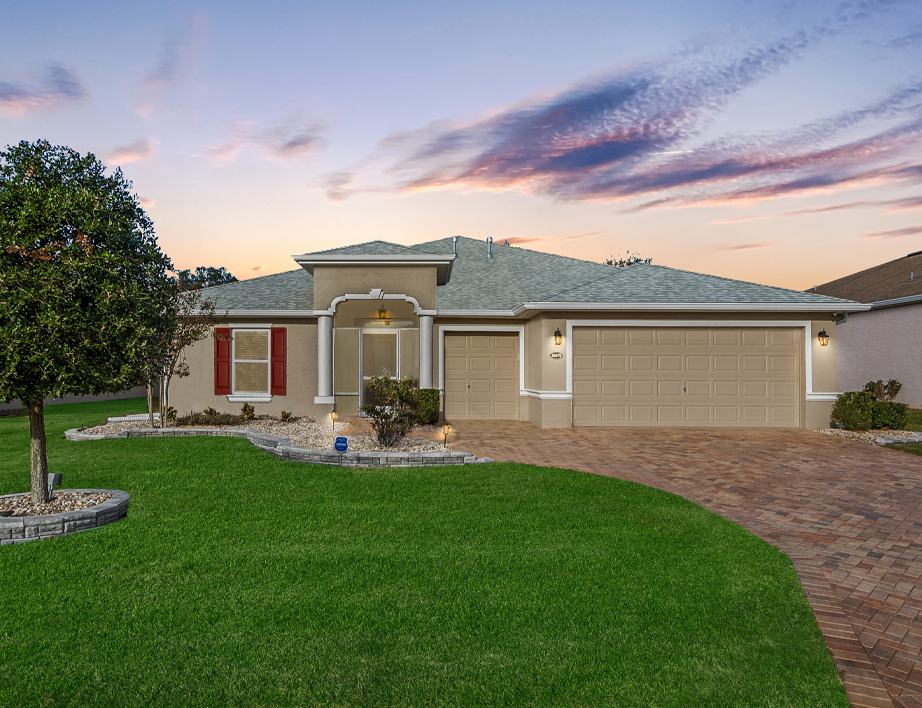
[[628, 259], [85, 293], [203, 278]]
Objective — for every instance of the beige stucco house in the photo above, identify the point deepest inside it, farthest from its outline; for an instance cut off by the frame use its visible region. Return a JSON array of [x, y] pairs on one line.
[[508, 333], [884, 341]]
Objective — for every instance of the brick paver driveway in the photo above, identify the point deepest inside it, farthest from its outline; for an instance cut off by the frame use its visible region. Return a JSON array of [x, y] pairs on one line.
[[848, 514]]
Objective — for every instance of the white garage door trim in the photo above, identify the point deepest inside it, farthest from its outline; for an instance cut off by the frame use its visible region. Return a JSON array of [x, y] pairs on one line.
[[806, 324], [485, 328]]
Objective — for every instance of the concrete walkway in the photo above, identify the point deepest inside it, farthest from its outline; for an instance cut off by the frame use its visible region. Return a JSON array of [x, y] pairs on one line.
[[848, 514]]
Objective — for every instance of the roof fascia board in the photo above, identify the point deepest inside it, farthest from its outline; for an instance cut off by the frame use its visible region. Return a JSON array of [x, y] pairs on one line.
[[442, 263], [897, 301], [697, 306], [266, 313]]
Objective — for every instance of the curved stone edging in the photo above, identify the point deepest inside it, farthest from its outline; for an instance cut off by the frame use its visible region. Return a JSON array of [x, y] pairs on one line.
[[19, 529], [281, 447]]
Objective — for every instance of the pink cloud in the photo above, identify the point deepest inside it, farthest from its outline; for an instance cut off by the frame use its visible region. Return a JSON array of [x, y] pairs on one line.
[[897, 233], [140, 149], [55, 89], [147, 203]]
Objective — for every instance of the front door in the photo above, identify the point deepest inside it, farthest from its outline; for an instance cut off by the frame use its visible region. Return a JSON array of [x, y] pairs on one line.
[[379, 357]]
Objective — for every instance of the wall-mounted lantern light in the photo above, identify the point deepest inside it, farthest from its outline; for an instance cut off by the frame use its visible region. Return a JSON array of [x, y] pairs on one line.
[[823, 338], [382, 317], [558, 337]]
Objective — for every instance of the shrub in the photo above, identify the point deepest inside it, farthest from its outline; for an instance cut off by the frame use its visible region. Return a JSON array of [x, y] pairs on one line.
[[285, 417], [854, 410], [426, 402], [881, 391], [890, 414], [208, 417], [248, 411], [391, 408], [170, 414]]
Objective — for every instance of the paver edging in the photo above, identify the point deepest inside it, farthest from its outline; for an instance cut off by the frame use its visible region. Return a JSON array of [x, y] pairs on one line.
[[19, 529], [281, 447]]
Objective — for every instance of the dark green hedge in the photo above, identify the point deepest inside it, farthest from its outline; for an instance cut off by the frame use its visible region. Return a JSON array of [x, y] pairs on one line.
[[857, 410], [427, 406]]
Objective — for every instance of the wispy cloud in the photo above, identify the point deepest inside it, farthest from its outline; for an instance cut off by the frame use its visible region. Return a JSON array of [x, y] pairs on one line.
[[147, 203], [897, 233], [173, 65], [518, 240], [637, 136], [744, 246], [140, 149], [585, 235], [290, 139], [57, 87]]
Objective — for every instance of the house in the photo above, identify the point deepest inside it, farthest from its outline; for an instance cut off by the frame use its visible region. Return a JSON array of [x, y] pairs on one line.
[[883, 341], [508, 333]]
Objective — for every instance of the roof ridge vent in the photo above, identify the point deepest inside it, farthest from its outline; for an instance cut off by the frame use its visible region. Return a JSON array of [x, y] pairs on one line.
[[489, 246]]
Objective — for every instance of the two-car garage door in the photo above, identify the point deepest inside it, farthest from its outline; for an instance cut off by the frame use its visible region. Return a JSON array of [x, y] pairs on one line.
[[695, 377]]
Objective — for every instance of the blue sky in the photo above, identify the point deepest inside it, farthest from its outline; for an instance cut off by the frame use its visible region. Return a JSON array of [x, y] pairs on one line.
[[771, 141]]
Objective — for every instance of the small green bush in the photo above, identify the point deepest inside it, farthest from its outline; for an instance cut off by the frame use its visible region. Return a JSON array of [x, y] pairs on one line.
[[881, 391], [890, 414], [285, 417], [854, 410], [248, 411], [426, 402], [208, 417], [391, 408], [170, 414]]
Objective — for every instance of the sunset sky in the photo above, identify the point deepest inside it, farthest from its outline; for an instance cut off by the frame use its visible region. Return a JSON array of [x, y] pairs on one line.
[[778, 142]]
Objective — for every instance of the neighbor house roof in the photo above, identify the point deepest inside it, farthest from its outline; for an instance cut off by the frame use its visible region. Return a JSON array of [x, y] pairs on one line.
[[889, 281], [519, 279]]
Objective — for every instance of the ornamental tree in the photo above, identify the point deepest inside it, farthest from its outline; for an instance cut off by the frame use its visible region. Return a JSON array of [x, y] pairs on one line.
[[84, 290]]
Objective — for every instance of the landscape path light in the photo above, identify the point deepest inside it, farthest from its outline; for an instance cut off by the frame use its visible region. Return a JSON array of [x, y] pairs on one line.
[[333, 420], [445, 430]]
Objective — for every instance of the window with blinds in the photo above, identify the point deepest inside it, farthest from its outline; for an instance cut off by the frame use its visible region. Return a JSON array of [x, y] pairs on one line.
[[251, 361]]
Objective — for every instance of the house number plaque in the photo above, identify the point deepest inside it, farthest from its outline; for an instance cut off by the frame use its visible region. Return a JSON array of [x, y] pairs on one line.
[[556, 355]]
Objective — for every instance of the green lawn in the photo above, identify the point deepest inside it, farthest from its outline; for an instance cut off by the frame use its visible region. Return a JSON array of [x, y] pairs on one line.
[[240, 580]]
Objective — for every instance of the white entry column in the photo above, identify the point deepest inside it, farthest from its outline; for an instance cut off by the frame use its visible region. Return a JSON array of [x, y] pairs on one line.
[[425, 351], [324, 360]]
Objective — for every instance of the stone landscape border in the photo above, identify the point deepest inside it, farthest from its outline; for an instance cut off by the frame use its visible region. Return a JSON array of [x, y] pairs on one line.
[[281, 447], [19, 529]]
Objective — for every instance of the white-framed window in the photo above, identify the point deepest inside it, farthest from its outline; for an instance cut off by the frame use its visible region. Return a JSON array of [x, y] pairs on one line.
[[250, 355]]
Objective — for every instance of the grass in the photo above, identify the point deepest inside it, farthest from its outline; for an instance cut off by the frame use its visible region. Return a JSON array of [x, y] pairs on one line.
[[241, 580]]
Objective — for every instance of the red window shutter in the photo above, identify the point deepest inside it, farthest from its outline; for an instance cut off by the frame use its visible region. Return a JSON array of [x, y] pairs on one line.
[[222, 361], [279, 367]]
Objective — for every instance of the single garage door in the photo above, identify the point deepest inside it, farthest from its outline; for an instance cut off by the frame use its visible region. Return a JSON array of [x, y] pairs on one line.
[[481, 376], [694, 377]]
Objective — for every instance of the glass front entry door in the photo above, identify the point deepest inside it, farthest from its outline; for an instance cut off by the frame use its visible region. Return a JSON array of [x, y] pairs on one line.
[[379, 357]]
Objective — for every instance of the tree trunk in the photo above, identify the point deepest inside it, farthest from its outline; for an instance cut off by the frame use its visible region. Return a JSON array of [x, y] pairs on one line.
[[150, 403], [39, 451]]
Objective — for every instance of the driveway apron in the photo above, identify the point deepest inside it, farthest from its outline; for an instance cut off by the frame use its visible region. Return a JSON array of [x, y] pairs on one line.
[[848, 514]]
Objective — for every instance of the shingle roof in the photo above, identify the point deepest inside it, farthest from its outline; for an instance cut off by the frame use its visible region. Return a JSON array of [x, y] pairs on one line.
[[887, 281], [371, 248], [292, 290], [518, 275]]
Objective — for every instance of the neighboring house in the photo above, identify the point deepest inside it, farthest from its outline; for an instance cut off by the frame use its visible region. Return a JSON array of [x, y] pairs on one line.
[[136, 392], [884, 342], [508, 333]]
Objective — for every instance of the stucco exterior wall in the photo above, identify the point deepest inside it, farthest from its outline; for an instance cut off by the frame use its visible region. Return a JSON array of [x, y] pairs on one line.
[[882, 344], [418, 282], [196, 391]]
